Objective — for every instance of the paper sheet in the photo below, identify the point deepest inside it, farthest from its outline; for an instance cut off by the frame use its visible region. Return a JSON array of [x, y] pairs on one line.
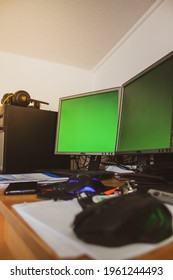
[[52, 221], [6, 179]]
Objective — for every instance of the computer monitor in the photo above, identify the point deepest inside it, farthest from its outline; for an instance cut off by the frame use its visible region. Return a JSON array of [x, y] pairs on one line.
[[146, 121], [88, 123]]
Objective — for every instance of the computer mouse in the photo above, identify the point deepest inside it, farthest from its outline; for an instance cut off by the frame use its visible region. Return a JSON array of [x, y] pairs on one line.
[[83, 183], [123, 220]]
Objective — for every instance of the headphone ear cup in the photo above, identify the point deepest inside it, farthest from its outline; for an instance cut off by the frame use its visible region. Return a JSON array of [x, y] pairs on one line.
[[21, 98], [6, 99]]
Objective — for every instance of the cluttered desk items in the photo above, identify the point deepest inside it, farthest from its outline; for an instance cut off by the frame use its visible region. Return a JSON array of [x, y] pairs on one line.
[[82, 215], [119, 226], [53, 222], [30, 177], [27, 183]]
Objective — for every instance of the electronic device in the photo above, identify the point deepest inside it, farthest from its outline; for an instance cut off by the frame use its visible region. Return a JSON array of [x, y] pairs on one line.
[[146, 122], [124, 220], [27, 138], [88, 124], [84, 183], [21, 98], [75, 185], [21, 188]]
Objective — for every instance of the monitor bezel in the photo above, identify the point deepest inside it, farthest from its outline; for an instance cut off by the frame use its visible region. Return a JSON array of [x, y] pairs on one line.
[[136, 77], [89, 93]]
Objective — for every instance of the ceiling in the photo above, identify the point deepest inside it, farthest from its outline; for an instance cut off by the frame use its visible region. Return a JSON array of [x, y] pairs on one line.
[[72, 32]]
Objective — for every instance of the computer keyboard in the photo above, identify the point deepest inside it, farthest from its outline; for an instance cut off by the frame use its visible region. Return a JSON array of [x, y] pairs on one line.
[[101, 174]]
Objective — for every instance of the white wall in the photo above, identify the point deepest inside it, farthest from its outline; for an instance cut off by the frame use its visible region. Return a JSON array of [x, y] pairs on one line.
[[43, 80], [151, 40]]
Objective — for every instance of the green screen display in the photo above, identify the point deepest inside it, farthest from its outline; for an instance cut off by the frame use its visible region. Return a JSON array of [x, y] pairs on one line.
[[88, 123], [146, 116]]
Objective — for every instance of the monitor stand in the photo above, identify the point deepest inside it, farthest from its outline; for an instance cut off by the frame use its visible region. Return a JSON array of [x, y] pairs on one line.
[[93, 170], [94, 163]]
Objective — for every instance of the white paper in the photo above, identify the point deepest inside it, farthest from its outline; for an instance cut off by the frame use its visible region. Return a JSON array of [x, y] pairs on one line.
[[52, 221], [118, 170], [29, 177]]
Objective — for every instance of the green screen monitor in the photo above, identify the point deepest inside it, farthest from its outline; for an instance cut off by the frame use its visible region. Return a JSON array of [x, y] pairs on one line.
[[88, 123], [146, 110]]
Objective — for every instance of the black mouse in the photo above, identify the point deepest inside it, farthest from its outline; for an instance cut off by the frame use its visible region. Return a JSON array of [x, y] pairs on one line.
[[123, 220], [83, 183]]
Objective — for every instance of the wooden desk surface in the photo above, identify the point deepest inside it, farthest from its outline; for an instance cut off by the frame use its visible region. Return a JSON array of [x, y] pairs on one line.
[[19, 241]]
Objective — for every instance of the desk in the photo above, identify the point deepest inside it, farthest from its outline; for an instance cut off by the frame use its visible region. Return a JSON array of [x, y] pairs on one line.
[[19, 241]]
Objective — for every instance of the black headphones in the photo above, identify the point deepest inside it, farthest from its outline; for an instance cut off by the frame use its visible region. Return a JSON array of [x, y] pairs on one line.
[[20, 98]]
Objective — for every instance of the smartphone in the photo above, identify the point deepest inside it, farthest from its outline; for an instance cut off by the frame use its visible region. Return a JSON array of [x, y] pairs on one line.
[[21, 188]]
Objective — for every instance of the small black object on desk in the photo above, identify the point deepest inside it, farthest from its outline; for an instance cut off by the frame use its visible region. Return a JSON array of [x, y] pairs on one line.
[[124, 220], [21, 188]]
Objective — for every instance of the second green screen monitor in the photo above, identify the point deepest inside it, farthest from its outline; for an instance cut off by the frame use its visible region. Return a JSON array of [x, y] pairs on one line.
[[146, 117]]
